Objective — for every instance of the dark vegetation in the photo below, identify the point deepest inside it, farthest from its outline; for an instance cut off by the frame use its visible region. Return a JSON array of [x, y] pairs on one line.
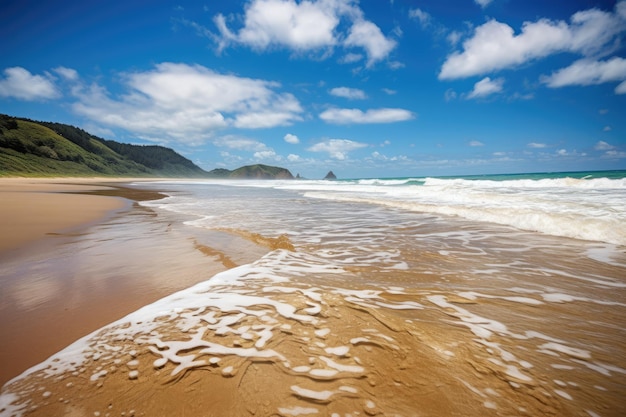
[[30, 148], [258, 171]]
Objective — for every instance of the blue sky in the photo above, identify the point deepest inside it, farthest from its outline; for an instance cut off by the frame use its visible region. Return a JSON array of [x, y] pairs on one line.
[[375, 88]]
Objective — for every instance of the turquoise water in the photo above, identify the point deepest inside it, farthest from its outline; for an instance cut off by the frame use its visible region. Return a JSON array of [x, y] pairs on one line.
[[614, 174]]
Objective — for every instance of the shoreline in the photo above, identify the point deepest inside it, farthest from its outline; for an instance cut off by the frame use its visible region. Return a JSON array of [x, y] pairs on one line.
[[80, 253], [225, 317]]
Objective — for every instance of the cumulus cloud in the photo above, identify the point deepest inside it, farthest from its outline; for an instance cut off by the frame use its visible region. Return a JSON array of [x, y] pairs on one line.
[[350, 93], [19, 83], [494, 45], [305, 27], [537, 145], [187, 103], [588, 72], [67, 73], [267, 154], [293, 139], [486, 87], [349, 116], [301, 26], [603, 146], [337, 148], [475, 143], [367, 35]]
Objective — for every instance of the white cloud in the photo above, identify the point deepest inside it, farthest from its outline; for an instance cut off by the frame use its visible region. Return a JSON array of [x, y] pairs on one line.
[[588, 72], [305, 26], [621, 88], [293, 157], [350, 93], [67, 73], [188, 103], [293, 139], [476, 143], [267, 154], [483, 3], [347, 116], [537, 145], [300, 26], [421, 16], [337, 148], [495, 46], [486, 87], [369, 36], [603, 146], [389, 91], [19, 83], [607, 128]]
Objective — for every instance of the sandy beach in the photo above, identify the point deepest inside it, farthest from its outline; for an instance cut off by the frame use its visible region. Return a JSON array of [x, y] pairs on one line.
[[136, 310]]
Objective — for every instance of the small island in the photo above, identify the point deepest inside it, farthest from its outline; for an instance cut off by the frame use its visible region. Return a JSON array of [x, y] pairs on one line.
[[330, 176]]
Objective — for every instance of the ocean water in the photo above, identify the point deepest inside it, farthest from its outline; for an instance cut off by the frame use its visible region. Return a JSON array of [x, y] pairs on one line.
[[491, 295]]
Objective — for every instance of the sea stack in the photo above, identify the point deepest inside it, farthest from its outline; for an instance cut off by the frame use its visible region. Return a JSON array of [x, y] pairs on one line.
[[330, 176]]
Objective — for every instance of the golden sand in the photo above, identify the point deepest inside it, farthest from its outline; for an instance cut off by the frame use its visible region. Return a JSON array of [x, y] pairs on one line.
[[338, 353], [34, 208]]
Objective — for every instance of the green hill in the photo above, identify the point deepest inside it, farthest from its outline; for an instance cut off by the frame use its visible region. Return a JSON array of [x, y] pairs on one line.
[[258, 171], [29, 148]]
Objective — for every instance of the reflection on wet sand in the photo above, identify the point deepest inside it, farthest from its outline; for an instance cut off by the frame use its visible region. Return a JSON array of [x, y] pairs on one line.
[[65, 287]]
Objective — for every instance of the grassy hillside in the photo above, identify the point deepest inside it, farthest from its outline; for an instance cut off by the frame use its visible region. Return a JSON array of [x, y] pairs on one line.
[[29, 148]]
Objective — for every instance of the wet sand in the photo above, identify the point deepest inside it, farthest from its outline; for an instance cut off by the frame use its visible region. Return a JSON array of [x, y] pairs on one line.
[[34, 208], [77, 254]]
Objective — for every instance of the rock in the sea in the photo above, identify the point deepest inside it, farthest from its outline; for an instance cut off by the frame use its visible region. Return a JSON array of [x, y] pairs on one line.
[[330, 176]]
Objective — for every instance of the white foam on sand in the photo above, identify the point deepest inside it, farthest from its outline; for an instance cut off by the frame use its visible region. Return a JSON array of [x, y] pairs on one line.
[[298, 411], [239, 314]]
